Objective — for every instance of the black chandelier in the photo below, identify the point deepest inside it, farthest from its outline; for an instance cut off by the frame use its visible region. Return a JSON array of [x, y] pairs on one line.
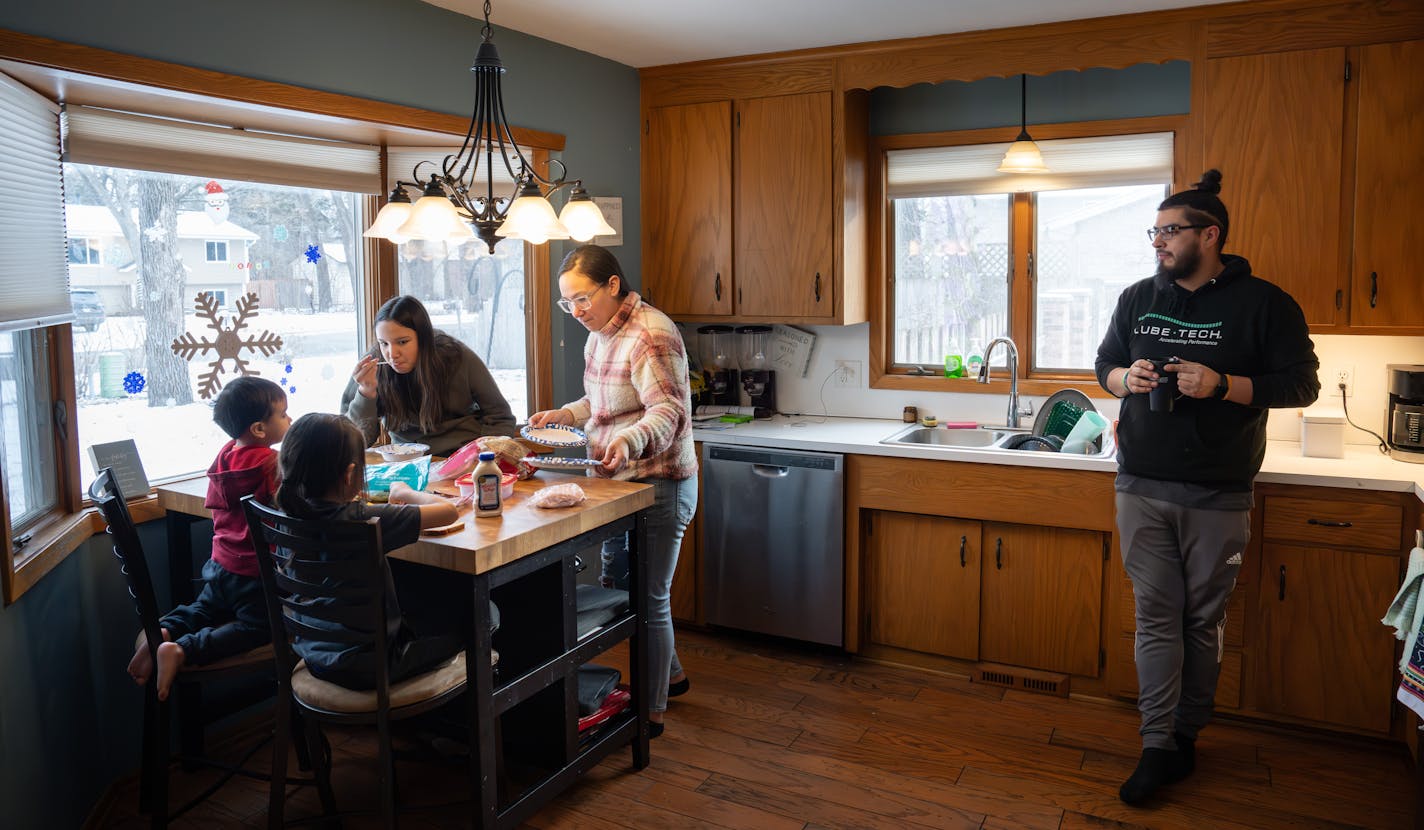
[[458, 201]]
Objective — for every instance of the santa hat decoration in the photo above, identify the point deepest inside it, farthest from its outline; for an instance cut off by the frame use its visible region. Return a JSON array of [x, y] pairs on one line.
[[215, 202]]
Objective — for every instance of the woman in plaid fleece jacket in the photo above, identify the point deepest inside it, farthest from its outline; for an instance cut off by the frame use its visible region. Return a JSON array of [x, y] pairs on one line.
[[637, 412]]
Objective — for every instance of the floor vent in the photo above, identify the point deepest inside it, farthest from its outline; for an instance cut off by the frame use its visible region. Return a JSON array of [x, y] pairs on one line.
[[1028, 680]]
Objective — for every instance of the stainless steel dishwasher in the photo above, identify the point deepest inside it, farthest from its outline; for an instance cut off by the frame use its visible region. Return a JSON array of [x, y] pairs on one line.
[[772, 541]]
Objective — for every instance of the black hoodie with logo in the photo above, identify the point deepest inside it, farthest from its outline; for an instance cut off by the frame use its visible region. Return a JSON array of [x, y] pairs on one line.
[[1236, 324]]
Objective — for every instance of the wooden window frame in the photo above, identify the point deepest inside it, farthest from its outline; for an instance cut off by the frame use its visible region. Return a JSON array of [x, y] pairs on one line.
[[184, 91], [885, 375]]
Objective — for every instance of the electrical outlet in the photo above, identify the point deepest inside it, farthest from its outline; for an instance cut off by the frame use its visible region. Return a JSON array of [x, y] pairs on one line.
[[1337, 376], [848, 373]]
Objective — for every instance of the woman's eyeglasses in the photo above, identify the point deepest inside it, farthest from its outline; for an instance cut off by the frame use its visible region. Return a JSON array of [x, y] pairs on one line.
[[582, 302], [1169, 231]]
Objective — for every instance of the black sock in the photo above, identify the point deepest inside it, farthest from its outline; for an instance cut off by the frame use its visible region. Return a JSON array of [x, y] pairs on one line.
[[1157, 768], [1186, 754]]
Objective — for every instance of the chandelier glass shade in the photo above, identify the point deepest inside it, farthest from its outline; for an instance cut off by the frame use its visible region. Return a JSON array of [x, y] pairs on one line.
[[458, 199], [1023, 155]]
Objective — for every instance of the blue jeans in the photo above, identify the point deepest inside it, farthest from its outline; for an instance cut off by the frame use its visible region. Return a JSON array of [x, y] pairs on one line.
[[674, 502]]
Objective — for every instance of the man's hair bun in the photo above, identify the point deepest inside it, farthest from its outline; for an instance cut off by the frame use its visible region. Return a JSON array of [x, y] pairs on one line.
[[1210, 182]]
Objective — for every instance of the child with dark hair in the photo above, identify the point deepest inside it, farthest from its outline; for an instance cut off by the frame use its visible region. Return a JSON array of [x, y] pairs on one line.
[[323, 465], [229, 616]]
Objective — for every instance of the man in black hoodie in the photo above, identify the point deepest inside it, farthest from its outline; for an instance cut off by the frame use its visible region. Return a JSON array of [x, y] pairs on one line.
[[1185, 472]]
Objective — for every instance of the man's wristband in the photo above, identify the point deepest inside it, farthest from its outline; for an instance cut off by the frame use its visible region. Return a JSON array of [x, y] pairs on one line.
[[1125, 391]]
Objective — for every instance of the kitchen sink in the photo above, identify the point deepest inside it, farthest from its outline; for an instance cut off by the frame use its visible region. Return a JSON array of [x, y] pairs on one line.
[[981, 438], [917, 435]]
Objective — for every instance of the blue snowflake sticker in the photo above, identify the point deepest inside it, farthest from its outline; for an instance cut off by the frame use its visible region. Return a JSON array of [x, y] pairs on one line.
[[287, 380], [279, 233], [134, 383], [313, 253]]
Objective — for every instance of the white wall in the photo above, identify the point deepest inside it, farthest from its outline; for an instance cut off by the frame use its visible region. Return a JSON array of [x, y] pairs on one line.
[[818, 392]]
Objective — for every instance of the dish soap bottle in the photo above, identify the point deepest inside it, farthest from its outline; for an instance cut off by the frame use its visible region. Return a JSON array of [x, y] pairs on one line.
[[487, 477]]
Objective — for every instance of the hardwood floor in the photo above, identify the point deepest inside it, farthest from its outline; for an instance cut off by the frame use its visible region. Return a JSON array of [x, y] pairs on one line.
[[777, 738]]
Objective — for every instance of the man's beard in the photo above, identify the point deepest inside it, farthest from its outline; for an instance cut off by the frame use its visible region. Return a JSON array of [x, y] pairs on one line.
[[1187, 263]]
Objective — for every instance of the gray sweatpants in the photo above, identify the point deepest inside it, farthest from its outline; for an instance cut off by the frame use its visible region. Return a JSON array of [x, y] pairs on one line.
[[1183, 563]]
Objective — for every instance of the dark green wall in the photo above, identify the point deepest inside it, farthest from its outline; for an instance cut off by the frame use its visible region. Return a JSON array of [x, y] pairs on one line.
[[69, 716], [1091, 95]]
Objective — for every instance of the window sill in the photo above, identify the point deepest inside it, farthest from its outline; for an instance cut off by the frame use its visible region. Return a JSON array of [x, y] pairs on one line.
[[61, 534], [996, 386]]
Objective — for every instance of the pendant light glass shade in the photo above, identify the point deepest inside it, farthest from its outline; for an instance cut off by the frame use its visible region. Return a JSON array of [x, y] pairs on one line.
[[433, 217], [531, 218], [1023, 155], [582, 217], [388, 221]]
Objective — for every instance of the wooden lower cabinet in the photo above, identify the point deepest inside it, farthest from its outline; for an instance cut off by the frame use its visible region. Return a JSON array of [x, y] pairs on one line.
[[1014, 594], [686, 594], [1041, 602], [1323, 655], [922, 583]]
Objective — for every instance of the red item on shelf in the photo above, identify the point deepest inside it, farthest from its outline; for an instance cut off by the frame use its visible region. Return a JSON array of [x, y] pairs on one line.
[[616, 702]]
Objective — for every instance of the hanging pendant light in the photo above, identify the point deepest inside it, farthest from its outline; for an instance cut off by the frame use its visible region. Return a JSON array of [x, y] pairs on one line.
[[1023, 155], [458, 199]]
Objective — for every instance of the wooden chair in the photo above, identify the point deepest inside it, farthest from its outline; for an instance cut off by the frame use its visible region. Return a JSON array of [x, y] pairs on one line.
[[153, 774], [327, 581]]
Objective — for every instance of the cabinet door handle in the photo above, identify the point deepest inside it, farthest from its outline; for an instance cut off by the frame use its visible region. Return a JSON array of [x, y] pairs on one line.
[[963, 545], [1327, 523], [717, 287], [1374, 288], [999, 553], [1282, 588], [818, 286], [1339, 299]]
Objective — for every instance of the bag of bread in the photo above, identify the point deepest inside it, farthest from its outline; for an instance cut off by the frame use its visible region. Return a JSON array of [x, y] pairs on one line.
[[509, 453]]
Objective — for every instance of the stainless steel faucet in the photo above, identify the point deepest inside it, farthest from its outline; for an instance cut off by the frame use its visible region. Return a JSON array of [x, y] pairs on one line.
[[1012, 421]]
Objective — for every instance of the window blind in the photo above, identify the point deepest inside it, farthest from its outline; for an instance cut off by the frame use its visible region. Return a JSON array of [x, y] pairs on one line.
[[163, 145], [34, 266], [971, 169], [400, 161]]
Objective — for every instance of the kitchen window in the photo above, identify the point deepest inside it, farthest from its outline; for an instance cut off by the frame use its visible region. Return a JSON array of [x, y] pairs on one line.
[[293, 237], [973, 254]]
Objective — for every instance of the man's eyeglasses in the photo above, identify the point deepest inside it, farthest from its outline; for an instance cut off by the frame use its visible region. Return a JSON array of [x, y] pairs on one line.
[[582, 302], [1169, 231]]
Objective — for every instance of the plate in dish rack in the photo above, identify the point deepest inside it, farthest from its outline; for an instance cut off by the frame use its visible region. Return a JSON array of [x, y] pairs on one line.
[[554, 435], [554, 462]]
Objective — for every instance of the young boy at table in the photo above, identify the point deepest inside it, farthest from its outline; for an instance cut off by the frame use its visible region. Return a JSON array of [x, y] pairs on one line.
[[229, 616]]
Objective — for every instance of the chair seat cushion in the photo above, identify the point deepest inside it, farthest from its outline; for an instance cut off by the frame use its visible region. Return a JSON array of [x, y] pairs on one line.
[[321, 694]]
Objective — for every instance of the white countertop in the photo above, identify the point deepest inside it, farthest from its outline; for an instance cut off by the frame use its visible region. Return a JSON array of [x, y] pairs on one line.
[[1363, 467]]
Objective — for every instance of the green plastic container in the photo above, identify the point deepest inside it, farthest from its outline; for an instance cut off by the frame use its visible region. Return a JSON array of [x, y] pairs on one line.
[[953, 366]]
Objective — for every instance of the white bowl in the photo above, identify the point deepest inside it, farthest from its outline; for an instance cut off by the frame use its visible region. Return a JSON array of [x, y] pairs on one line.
[[402, 452]]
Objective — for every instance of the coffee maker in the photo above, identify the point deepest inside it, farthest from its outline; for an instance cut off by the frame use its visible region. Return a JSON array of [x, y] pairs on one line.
[[719, 366], [1405, 426], [758, 379]]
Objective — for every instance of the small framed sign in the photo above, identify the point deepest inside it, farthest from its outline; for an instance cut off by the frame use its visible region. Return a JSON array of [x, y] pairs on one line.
[[612, 209], [128, 467]]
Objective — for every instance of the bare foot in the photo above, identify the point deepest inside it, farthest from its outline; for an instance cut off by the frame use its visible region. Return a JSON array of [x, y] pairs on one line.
[[170, 660], [141, 664]]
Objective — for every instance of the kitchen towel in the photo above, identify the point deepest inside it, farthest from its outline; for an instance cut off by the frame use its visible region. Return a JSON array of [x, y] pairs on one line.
[[1406, 613]]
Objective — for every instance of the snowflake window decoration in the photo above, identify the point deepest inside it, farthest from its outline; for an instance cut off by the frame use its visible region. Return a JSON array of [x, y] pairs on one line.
[[228, 345], [313, 253], [134, 383]]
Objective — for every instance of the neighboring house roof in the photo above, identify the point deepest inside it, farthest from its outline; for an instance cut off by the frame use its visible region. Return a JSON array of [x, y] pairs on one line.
[[96, 220]]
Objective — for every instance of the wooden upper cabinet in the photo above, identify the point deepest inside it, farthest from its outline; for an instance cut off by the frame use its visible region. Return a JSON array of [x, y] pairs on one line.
[[1389, 187], [687, 196], [1041, 605], [784, 191], [1274, 127]]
